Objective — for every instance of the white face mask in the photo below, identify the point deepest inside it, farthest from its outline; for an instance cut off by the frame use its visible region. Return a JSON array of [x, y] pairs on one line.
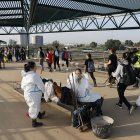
[[78, 78]]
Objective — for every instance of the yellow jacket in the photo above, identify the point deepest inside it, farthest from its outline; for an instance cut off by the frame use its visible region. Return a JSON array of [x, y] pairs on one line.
[[137, 64]]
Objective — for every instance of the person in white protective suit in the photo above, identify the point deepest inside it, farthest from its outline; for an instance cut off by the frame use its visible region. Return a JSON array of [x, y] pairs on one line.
[[33, 88], [80, 85]]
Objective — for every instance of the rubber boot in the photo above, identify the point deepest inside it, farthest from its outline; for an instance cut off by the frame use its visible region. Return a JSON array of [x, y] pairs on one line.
[[36, 124]]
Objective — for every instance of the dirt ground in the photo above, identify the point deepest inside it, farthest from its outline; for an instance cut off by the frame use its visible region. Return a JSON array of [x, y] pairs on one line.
[[14, 125]]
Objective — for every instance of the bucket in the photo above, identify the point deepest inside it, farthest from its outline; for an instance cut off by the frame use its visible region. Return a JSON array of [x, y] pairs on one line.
[[101, 126]]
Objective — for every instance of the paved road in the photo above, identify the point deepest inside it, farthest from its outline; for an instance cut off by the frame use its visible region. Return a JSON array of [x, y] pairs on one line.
[[14, 125]]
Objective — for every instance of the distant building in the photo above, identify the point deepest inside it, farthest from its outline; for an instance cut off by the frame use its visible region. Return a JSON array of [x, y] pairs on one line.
[[23, 38], [37, 40]]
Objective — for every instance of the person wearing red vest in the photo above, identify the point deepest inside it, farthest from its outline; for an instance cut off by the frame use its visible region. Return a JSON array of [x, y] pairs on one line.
[[50, 59]]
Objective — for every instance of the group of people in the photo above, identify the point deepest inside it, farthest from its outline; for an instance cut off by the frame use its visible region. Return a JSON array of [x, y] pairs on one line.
[[116, 72], [7, 53], [53, 57], [34, 87], [78, 82], [133, 58]]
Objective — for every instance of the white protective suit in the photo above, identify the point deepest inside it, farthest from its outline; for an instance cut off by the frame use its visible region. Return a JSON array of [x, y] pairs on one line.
[[82, 89], [33, 88], [49, 92]]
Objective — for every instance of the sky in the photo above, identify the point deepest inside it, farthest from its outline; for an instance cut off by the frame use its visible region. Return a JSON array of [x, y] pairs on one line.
[[85, 37]]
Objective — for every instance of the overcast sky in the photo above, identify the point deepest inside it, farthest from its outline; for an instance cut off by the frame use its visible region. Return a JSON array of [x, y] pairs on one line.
[[84, 37]]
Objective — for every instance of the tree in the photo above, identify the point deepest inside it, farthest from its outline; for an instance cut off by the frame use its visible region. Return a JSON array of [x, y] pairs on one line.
[[55, 43], [129, 43], [112, 44], [122, 47], [93, 45]]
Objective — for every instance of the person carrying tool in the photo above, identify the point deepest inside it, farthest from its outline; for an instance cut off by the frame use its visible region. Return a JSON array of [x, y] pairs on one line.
[[80, 86]]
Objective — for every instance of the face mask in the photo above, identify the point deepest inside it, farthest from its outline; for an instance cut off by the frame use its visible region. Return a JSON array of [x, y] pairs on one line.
[[78, 78]]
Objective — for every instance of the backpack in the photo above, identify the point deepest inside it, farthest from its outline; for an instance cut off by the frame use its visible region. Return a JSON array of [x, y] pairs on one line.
[[66, 96], [91, 67], [62, 56], [41, 54], [129, 76]]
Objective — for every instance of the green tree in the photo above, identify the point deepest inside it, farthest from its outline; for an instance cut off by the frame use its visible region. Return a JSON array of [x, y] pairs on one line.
[[129, 43], [93, 44], [112, 44], [55, 43], [122, 47]]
